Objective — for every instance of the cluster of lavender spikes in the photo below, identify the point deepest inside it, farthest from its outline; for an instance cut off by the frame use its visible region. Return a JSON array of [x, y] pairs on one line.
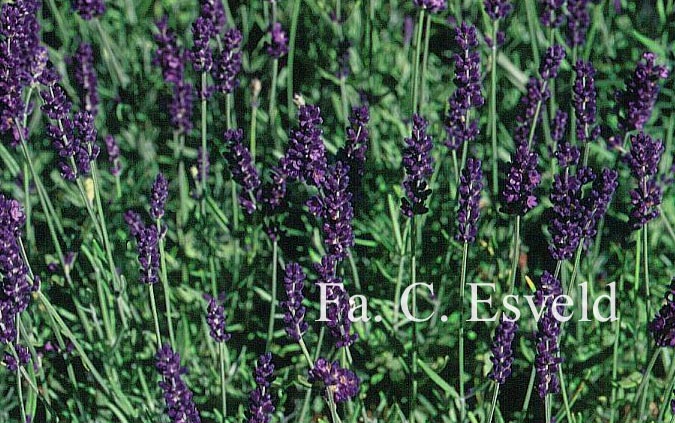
[[85, 76], [468, 212], [340, 383], [643, 160], [260, 399], [547, 360], [89, 9], [215, 317], [294, 317], [459, 128], [418, 165], [242, 168], [334, 207], [502, 353], [177, 395], [305, 158], [635, 103]]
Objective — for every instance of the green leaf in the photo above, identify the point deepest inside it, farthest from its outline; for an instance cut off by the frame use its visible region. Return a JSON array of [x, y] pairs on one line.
[[650, 44]]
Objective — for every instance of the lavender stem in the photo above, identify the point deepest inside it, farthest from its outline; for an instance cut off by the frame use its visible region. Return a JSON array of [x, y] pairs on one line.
[[493, 108], [153, 305], [462, 399], [221, 358], [273, 303], [418, 42], [165, 284]]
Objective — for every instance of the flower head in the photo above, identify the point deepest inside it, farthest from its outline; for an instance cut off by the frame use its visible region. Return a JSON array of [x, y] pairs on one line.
[[502, 353], [215, 317], [552, 13], [180, 109], [417, 162], [578, 21], [337, 299], [353, 154], [214, 11], [158, 196], [260, 399], [662, 327], [168, 56], [342, 384], [522, 179], [180, 407], [584, 99], [547, 360], [305, 159], [497, 9], [242, 168], [432, 6], [278, 45], [294, 317], [201, 54], [470, 186], [643, 160], [85, 76], [89, 9], [113, 150], [227, 62], [147, 240]]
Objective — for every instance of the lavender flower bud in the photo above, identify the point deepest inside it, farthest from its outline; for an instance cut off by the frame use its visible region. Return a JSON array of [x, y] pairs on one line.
[[551, 63], [260, 400], [662, 327], [408, 29], [180, 407], [497, 9], [305, 159], [559, 126], [418, 165], [113, 155], [227, 63], [215, 317], [635, 103], [353, 154], [598, 202], [158, 196], [552, 14], [342, 384], [180, 109], [88, 149], [522, 179], [214, 11], [85, 76], [578, 21], [470, 185], [201, 54], [643, 160], [134, 222], [547, 361], [147, 240], [168, 56], [294, 317], [89, 9], [502, 354], [584, 99], [242, 168], [432, 6], [278, 45], [11, 362]]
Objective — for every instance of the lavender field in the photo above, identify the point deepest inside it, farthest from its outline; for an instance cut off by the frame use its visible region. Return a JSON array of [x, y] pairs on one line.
[[337, 211]]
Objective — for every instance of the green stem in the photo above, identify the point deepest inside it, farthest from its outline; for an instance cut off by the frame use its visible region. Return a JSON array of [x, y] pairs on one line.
[[28, 205], [563, 390], [413, 278], [155, 317], [493, 405], [425, 59], [254, 120], [165, 283], [416, 65], [221, 357], [516, 255], [645, 252], [547, 407], [462, 282], [19, 386], [493, 108], [615, 367], [528, 392], [642, 389], [291, 55], [343, 99], [273, 102], [273, 305], [203, 136], [667, 394]]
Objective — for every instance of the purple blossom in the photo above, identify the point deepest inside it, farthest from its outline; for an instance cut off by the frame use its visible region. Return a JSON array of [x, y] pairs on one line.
[[168, 56], [458, 127], [214, 11], [180, 109], [158, 196], [85, 76], [215, 317], [497, 9], [23, 355], [551, 64], [408, 29], [180, 406], [502, 353], [598, 201], [294, 317], [88, 149], [643, 160], [432, 6], [418, 165], [353, 154], [334, 207], [134, 222], [201, 54], [337, 300], [552, 14], [339, 383], [578, 21], [242, 168], [662, 327], [584, 99], [559, 126], [547, 360], [260, 399], [114, 154], [89, 9], [470, 186], [522, 179], [635, 103], [227, 62], [147, 240], [305, 158], [278, 45]]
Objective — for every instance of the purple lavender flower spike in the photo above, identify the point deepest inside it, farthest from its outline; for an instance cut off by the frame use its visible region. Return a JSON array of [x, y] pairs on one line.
[[418, 165], [214, 11], [552, 13], [242, 168], [180, 406], [89, 9], [662, 327], [11, 362], [337, 298], [168, 56], [227, 63], [305, 158], [277, 47], [201, 54], [547, 361], [432, 6], [334, 207], [578, 21], [567, 154], [158, 196], [88, 149], [643, 160], [180, 109], [215, 317], [551, 63], [522, 179], [114, 154], [353, 154], [467, 95], [497, 9], [559, 126], [502, 353], [635, 103], [342, 384], [260, 399], [599, 198], [55, 102], [147, 240], [294, 317], [85, 76], [470, 186], [134, 222], [584, 99]]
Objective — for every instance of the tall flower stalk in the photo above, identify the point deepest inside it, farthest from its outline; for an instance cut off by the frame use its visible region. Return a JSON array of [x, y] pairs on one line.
[[426, 9], [277, 48], [502, 358], [215, 317]]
